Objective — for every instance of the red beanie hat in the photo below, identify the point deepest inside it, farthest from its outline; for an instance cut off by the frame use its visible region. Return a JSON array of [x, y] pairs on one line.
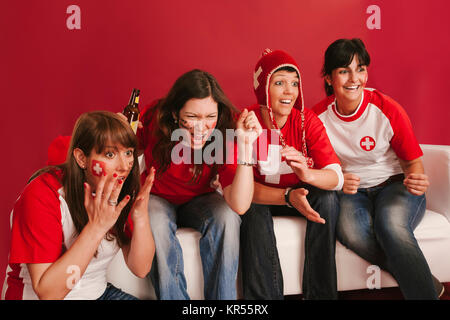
[[270, 62]]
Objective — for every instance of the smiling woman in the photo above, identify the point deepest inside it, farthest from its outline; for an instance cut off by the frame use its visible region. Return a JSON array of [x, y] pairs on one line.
[[297, 169], [345, 74], [71, 219], [383, 197]]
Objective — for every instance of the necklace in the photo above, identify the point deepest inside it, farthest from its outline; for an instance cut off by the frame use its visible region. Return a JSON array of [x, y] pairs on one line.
[[309, 160]]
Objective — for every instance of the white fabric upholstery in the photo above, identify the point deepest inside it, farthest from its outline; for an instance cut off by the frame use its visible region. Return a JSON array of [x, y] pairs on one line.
[[433, 234]]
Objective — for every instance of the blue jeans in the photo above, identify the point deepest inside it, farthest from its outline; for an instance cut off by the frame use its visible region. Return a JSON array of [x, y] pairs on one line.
[[378, 224], [219, 246], [261, 272], [113, 293]]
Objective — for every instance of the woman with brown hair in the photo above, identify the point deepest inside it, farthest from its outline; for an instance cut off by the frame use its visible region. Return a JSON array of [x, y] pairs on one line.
[[197, 111], [71, 219]]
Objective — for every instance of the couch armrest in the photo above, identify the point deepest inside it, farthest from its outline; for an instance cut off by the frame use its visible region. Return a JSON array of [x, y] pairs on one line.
[[436, 160]]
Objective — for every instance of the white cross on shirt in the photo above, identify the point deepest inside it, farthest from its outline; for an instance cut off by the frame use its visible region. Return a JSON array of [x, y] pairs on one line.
[[273, 168], [368, 143]]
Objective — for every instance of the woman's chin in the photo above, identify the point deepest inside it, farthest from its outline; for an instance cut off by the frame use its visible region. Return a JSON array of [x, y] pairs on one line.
[[197, 144]]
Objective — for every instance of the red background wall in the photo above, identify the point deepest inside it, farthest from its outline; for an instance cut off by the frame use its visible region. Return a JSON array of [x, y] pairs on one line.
[[50, 74]]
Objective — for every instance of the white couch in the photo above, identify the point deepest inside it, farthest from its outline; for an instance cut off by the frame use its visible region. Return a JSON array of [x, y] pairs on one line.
[[433, 234]]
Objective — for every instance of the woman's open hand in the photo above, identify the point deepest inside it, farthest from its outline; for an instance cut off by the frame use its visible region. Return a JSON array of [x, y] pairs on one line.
[[102, 207]]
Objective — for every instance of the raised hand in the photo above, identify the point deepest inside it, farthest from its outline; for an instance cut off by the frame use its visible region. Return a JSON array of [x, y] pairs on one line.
[[140, 206], [102, 207], [248, 130], [297, 162]]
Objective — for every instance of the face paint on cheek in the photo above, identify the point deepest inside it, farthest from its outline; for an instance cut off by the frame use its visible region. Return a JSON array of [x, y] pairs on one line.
[[98, 168], [185, 124]]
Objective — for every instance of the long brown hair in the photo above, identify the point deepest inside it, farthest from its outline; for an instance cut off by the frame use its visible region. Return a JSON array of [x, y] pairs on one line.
[[95, 130], [192, 84]]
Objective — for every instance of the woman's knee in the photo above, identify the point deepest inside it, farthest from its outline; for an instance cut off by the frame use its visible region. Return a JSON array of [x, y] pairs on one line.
[[396, 206], [393, 232], [354, 226], [223, 216]]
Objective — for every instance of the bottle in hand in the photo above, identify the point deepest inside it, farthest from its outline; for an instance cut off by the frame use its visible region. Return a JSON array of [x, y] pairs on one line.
[[131, 111]]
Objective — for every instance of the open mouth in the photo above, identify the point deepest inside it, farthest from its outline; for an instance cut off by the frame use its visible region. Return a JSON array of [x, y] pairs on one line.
[[200, 138], [286, 101], [351, 88]]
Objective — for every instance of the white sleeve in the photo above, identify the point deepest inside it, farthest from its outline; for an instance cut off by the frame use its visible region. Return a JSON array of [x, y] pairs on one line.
[[336, 168]]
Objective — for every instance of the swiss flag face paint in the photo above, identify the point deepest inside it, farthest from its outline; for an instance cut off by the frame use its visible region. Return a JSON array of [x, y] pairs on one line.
[[98, 168]]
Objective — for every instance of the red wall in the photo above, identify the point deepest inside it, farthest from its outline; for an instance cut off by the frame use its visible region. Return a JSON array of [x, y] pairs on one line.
[[51, 74]]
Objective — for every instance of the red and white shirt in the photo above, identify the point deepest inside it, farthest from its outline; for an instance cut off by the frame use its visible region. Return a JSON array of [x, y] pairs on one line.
[[175, 183], [370, 141], [274, 172], [42, 230]]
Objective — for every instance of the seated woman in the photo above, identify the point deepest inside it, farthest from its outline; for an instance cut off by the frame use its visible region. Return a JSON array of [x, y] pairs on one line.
[[71, 219], [296, 169], [197, 111], [383, 197]]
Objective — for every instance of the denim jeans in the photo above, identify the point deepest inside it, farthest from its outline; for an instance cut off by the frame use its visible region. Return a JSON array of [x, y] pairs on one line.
[[261, 272], [113, 293], [378, 224], [219, 246]]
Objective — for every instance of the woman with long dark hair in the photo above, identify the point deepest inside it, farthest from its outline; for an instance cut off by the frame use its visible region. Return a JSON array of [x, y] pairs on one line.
[[197, 111], [71, 219]]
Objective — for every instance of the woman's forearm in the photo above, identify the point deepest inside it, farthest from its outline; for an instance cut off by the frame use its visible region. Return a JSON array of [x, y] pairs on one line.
[[325, 179], [239, 194], [268, 195], [139, 253], [412, 166]]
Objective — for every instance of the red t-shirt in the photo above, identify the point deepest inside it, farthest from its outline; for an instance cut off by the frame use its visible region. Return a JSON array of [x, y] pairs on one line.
[[42, 229], [274, 172]]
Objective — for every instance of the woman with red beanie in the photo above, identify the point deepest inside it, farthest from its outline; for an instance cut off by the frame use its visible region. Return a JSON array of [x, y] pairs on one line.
[[295, 173]]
